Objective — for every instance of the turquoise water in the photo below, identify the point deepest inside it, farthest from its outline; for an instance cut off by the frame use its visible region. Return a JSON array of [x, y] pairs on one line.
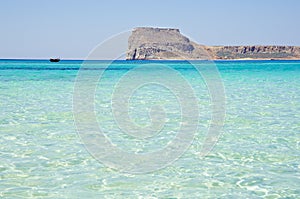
[[257, 156]]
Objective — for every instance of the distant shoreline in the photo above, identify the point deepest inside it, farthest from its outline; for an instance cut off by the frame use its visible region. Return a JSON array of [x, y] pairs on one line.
[[148, 60], [168, 43]]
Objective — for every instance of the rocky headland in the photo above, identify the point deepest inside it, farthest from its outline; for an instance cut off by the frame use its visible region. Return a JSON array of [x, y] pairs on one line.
[[147, 43]]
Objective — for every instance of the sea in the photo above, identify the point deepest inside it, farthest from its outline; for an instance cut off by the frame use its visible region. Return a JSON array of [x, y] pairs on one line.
[[139, 108]]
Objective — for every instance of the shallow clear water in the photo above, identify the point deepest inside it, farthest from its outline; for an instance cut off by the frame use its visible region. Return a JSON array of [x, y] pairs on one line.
[[258, 154]]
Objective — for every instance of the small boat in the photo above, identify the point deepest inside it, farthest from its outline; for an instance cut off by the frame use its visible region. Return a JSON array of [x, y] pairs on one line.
[[54, 60]]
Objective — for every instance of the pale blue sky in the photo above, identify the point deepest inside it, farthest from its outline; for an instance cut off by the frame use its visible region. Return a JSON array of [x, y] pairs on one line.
[[71, 28]]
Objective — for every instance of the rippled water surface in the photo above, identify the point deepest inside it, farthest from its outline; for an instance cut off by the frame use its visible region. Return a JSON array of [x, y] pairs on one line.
[[258, 154]]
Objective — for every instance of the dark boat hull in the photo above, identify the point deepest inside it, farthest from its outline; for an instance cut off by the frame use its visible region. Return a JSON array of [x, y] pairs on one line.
[[54, 60]]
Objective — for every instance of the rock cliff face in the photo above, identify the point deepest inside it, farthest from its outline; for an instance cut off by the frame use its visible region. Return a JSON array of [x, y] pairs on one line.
[[169, 44], [255, 52]]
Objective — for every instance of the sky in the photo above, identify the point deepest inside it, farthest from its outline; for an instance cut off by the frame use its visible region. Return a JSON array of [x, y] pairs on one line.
[[70, 29]]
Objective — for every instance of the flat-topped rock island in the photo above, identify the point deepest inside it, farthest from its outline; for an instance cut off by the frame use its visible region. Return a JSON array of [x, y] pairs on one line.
[[146, 43]]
